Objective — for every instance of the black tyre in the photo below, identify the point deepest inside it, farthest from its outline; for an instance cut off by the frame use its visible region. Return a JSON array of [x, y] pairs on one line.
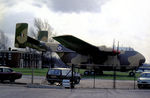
[[131, 74], [92, 73], [77, 81], [140, 86], [1, 81], [86, 73], [51, 82]]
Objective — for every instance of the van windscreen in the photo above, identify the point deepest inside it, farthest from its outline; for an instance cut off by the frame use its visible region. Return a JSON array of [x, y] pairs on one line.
[[54, 72]]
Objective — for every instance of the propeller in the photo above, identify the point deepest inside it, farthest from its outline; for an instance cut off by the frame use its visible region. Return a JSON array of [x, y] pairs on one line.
[[116, 52]]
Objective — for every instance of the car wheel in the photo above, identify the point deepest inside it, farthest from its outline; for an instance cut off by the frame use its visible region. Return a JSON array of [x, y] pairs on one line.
[[1, 81], [140, 86]]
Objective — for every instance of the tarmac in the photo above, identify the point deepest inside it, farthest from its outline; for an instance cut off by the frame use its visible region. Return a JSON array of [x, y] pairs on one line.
[[88, 88], [40, 82]]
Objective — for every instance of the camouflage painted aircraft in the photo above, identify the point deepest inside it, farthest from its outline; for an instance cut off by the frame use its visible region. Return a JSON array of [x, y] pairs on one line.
[[75, 51], [98, 58], [22, 40]]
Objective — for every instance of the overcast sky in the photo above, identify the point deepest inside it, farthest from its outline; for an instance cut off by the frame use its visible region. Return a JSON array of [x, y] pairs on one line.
[[95, 21]]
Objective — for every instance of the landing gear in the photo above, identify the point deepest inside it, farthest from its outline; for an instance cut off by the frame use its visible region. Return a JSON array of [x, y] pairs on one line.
[[131, 74], [96, 72], [92, 73], [87, 73]]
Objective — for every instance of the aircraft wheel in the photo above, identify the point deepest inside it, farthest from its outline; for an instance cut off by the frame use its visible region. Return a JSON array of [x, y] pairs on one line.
[[92, 73], [86, 73], [131, 74], [1, 81]]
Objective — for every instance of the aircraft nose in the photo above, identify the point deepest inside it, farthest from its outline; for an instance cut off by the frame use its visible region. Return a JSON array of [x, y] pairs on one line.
[[142, 60]]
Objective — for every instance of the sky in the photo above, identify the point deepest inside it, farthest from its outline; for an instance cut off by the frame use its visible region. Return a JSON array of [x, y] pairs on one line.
[[98, 22]]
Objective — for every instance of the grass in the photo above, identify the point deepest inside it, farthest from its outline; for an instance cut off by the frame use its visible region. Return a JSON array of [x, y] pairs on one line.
[[28, 71], [107, 74]]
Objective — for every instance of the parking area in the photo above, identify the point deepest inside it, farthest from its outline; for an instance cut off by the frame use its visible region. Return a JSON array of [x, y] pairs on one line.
[[84, 83], [101, 83]]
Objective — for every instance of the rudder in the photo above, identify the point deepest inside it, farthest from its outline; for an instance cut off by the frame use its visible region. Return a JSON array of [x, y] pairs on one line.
[[43, 36], [21, 35]]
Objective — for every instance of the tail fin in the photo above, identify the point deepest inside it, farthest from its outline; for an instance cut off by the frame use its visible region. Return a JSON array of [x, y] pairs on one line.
[[43, 36], [21, 35]]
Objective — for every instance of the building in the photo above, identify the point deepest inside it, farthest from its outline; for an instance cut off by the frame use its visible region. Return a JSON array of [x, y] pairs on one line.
[[23, 59]]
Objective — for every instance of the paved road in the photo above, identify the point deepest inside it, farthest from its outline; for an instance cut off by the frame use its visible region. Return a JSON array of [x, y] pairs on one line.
[[23, 92], [83, 90], [84, 83]]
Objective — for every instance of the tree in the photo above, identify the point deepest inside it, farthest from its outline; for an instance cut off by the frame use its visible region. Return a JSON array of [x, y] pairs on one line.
[[42, 25], [3, 40]]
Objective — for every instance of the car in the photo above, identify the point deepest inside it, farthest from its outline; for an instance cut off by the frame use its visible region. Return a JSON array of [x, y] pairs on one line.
[[142, 69], [7, 73], [144, 80], [59, 74]]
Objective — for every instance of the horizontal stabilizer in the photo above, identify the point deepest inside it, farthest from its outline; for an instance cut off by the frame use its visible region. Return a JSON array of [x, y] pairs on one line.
[[23, 41]]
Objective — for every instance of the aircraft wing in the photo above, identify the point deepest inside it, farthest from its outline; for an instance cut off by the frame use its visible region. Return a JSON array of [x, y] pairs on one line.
[[81, 46], [76, 44]]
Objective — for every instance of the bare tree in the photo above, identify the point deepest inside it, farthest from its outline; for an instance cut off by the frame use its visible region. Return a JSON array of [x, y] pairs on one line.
[[42, 25], [3, 40], [33, 33]]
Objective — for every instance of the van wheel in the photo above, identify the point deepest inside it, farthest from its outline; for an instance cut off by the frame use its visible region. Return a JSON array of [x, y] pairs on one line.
[[51, 82], [77, 81]]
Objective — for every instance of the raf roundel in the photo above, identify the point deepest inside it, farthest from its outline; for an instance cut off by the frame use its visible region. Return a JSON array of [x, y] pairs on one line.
[[59, 48]]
